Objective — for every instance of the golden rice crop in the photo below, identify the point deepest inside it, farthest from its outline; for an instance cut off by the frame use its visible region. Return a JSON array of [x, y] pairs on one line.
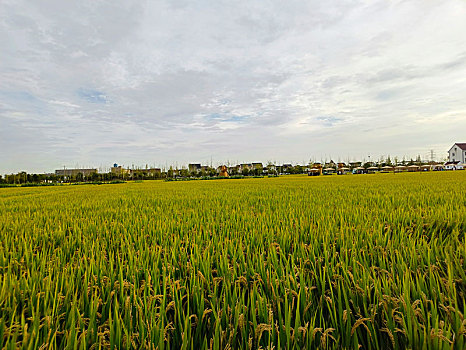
[[376, 261]]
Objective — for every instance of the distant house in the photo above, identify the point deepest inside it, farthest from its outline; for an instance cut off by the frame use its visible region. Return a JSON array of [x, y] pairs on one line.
[[257, 165], [341, 165], [245, 166], [286, 168], [457, 152], [234, 169], [119, 170], [194, 167]]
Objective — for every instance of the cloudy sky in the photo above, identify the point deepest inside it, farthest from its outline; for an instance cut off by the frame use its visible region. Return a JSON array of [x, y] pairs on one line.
[[91, 83]]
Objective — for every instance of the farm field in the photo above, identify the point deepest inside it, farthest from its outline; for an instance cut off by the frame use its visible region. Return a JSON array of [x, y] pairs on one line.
[[376, 261]]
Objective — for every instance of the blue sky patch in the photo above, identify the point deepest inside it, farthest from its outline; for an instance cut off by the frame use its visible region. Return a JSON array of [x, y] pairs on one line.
[[92, 96], [227, 117], [328, 120]]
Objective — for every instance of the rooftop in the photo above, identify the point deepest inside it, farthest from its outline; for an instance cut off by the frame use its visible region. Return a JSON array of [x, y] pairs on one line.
[[461, 145]]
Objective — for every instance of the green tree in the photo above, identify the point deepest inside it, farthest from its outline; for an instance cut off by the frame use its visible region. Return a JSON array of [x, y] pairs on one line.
[[184, 172], [170, 172], [418, 160], [388, 161]]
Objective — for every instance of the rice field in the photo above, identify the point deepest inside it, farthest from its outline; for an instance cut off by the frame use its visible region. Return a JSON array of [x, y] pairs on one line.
[[295, 262]]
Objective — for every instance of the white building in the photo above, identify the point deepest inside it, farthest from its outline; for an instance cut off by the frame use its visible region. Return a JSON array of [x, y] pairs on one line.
[[457, 153], [456, 165]]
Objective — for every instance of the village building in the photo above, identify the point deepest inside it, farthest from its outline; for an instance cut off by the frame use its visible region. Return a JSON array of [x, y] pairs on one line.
[[118, 170], [244, 166], [457, 153], [286, 167], [194, 167], [341, 165]]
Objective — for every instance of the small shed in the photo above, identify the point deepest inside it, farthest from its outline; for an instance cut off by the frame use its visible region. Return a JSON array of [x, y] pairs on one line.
[[359, 170], [400, 168], [456, 165], [343, 171], [426, 167], [413, 168], [387, 168], [314, 172]]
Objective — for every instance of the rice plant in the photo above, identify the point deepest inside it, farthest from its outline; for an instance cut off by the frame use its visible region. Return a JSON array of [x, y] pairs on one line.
[[371, 261]]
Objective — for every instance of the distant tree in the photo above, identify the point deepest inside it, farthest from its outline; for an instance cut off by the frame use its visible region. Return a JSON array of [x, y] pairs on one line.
[[366, 165], [297, 169], [388, 161], [170, 172], [418, 159], [271, 169], [22, 177], [258, 171], [184, 172], [245, 171]]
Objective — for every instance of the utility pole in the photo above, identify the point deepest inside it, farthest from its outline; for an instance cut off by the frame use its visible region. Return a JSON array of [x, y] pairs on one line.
[[432, 155]]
